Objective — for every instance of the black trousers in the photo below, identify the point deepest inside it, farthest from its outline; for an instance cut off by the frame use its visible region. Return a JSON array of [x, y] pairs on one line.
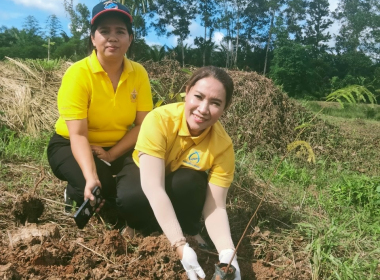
[[66, 168], [185, 187]]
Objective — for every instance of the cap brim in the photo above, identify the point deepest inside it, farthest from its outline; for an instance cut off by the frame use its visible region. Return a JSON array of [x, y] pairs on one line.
[[111, 10]]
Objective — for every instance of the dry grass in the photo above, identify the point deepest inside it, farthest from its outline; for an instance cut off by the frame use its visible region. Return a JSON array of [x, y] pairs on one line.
[[28, 96], [261, 116]]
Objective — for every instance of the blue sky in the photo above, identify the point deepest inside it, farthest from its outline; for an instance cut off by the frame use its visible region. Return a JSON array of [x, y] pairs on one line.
[[14, 12]]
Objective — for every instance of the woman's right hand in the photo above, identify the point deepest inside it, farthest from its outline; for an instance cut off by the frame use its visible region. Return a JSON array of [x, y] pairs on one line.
[[189, 262], [90, 185]]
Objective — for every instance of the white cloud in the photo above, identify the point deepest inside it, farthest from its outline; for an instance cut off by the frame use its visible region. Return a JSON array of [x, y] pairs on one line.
[[196, 29], [53, 6], [334, 28], [217, 37], [189, 41], [333, 4]]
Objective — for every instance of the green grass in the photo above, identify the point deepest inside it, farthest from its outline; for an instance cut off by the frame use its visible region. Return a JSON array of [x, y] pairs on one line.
[[337, 211], [350, 111], [21, 147]]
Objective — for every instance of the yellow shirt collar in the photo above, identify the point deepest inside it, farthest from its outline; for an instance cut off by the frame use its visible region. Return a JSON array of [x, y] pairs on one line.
[[96, 67]]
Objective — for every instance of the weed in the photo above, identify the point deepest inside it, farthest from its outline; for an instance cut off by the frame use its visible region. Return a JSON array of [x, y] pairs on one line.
[[352, 94], [18, 146], [46, 65], [358, 191], [350, 111]]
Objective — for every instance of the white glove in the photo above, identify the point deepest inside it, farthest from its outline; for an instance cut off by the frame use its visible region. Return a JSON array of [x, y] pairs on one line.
[[225, 257], [190, 263]]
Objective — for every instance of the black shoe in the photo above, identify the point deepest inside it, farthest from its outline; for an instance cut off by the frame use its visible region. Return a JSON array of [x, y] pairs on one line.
[[70, 204]]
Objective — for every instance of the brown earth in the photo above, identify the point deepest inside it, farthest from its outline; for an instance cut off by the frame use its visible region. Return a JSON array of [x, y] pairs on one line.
[[53, 248]]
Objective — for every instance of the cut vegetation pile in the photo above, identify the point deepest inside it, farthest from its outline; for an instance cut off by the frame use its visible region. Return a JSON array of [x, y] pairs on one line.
[[260, 115], [28, 95]]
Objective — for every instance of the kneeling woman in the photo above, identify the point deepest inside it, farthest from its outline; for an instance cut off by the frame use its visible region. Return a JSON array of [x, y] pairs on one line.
[[186, 164]]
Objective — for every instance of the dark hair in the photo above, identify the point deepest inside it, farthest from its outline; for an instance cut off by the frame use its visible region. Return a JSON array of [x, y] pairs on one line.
[[216, 73], [94, 26]]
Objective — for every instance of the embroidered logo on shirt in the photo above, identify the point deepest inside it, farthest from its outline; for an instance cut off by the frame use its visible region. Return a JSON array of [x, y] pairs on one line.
[[193, 160], [194, 157], [134, 96]]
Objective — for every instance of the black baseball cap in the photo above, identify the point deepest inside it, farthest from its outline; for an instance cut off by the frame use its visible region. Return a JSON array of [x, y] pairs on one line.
[[109, 6]]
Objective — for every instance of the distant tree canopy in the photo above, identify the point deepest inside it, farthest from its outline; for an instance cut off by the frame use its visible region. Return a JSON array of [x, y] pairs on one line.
[[286, 40]]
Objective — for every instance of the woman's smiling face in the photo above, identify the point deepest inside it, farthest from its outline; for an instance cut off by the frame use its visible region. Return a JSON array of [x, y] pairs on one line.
[[204, 104]]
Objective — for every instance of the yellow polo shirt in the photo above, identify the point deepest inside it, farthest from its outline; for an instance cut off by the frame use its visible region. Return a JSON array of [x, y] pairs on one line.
[[87, 92], [164, 134]]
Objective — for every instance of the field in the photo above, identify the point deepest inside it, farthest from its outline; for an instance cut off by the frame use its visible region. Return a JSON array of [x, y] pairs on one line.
[[319, 197]]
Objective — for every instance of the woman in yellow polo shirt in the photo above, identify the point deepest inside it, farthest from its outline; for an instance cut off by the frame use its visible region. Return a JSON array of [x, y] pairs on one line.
[[100, 98], [183, 166]]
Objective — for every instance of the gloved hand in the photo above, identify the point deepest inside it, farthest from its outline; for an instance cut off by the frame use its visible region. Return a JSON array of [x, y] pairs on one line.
[[190, 263], [225, 257]]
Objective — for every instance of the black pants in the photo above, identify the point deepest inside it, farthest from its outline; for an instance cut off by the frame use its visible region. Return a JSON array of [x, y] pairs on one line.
[[66, 168], [185, 187]]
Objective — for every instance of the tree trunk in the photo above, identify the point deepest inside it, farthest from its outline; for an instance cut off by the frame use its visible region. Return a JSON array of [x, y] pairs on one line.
[[183, 54], [268, 43], [204, 48], [237, 42], [48, 49]]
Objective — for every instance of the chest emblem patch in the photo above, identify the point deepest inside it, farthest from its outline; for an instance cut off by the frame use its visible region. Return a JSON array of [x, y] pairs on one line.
[[193, 160], [194, 157], [134, 96]]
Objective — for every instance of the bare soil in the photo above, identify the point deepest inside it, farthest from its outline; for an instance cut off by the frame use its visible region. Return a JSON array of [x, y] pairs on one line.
[[38, 241]]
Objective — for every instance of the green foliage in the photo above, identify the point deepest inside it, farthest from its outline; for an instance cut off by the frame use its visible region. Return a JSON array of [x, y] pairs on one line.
[[161, 95], [352, 94], [291, 68], [157, 52], [53, 26], [74, 49], [336, 210], [14, 146], [45, 65], [357, 191], [317, 25], [350, 111], [79, 19]]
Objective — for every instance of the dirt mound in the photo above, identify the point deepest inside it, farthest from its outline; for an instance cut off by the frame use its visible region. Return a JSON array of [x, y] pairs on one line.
[[27, 208], [260, 114], [108, 256]]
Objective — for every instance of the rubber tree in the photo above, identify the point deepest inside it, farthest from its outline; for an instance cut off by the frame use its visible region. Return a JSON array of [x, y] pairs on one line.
[[174, 18]]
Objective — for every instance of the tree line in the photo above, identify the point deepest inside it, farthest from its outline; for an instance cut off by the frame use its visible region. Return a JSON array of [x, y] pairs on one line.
[[286, 40]]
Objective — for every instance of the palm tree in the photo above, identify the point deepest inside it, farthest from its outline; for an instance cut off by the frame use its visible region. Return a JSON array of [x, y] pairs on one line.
[[157, 52], [179, 51]]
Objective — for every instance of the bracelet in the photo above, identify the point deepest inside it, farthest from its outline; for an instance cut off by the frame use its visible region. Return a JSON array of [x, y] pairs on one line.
[[179, 242]]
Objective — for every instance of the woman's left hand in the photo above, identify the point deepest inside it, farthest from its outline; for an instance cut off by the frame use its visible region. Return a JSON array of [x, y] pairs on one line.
[[101, 153], [225, 256]]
